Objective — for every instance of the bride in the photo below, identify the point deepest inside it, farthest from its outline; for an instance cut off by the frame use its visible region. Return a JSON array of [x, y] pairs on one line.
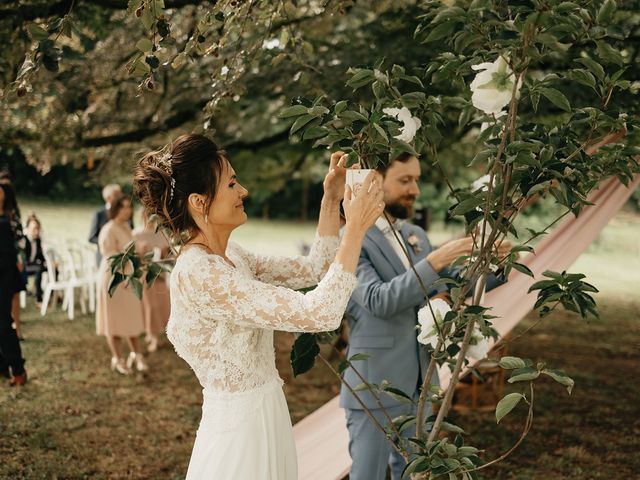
[[226, 301]]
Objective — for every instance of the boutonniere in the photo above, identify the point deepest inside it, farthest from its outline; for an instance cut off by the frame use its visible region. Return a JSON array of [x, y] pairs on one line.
[[414, 241]]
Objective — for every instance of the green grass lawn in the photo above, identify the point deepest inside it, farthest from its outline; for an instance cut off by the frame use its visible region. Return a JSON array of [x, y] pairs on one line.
[[76, 419]]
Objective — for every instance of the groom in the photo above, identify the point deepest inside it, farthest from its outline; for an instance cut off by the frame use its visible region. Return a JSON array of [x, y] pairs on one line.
[[382, 316]]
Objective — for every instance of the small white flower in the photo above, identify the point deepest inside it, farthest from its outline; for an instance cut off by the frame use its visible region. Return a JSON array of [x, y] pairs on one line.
[[479, 346], [428, 333], [410, 124], [493, 86], [271, 44], [481, 183], [224, 70]]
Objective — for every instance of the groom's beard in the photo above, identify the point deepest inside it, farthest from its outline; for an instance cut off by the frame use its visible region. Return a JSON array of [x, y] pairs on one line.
[[402, 207]]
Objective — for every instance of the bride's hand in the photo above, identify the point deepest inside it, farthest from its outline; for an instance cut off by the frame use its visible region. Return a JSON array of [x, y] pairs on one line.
[[362, 208], [334, 181]]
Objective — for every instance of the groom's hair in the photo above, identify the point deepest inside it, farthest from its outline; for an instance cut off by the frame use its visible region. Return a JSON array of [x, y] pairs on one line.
[[164, 179], [404, 157]]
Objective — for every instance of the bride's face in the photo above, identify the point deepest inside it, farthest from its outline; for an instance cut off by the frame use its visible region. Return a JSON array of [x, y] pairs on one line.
[[227, 207]]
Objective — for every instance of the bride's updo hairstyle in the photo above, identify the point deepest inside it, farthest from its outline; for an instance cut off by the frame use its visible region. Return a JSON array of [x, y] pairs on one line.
[[164, 179]]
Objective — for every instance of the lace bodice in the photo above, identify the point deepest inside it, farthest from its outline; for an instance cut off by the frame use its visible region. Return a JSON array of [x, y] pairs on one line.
[[223, 317]]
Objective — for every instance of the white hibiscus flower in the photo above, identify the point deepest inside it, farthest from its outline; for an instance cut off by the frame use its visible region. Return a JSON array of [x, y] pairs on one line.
[[410, 124], [428, 333], [493, 86]]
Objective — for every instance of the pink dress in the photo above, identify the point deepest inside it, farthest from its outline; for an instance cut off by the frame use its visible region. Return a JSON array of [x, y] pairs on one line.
[[120, 315], [156, 306]]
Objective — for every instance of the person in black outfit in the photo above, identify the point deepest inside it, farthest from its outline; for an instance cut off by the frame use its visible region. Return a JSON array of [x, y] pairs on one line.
[[35, 262], [11, 361]]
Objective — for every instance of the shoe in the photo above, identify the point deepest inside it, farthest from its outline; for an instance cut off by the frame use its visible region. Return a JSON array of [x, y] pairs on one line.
[[119, 365], [138, 359], [18, 380], [153, 344]]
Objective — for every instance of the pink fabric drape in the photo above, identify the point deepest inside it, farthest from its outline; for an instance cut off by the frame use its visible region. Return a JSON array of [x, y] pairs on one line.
[[556, 251]]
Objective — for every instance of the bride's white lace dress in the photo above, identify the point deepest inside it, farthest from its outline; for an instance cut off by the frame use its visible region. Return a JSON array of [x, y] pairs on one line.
[[222, 322]]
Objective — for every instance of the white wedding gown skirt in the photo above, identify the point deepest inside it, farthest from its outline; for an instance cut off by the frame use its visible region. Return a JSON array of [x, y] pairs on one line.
[[244, 436]]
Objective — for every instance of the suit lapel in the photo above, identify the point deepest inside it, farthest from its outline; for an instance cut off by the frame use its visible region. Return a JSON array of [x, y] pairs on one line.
[[387, 251]]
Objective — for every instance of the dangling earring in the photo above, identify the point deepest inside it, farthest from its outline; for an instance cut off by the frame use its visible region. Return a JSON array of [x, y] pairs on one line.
[[206, 219]]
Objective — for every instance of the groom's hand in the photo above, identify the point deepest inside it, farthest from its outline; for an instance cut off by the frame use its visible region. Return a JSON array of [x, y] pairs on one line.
[[447, 253]]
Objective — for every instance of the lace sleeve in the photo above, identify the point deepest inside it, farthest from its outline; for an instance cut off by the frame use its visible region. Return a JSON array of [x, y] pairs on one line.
[[298, 272], [218, 291]]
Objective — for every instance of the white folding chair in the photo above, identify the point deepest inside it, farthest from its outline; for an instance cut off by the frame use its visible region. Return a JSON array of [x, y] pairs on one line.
[[56, 278]]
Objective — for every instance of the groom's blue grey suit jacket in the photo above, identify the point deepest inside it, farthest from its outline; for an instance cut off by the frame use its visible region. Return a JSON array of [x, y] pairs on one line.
[[383, 317]]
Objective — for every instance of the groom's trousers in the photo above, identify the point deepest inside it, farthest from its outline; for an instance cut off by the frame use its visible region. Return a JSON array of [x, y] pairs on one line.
[[370, 450]]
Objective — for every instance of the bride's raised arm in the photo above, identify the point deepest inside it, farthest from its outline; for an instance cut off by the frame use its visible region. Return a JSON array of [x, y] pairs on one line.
[[306, 271], [218, 291]]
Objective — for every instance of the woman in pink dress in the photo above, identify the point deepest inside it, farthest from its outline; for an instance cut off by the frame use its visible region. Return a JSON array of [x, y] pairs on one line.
[[155, 299], [119, 316]]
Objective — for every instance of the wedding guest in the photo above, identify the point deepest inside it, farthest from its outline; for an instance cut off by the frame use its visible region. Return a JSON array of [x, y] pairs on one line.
[[101, 216], [119, 316], [11, 361], [20, 283], [35, 261], [155, 299]]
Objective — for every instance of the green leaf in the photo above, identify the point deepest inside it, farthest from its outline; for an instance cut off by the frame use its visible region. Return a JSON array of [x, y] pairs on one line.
[[556, 97], [378, 89], [136, 284], [509, 363], [352, 116], [483, 155], [340, 107], [116, 279], [419, 464], [506, 404], [303, 353], [403, 146], [381, 132], [413, 99], [608, 54], [441, 31], [318, 110], [523, 375], [147, 18], [398, 395], [358, 357], [144, 45], [450, 427], [605, 14], [343, 366], [593, 66], [560, 377], [301, 122], [361, 387], [522, 268], [294, 111], [466, 205], [361, 78], [315, 132], [37, 32]]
